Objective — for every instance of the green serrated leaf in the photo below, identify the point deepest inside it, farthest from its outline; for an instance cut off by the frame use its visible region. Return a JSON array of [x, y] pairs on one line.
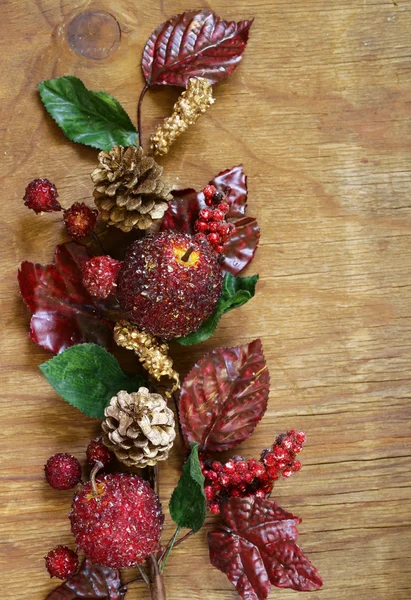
[[188, 502], [92, 118], [236, 292], [87, 376]]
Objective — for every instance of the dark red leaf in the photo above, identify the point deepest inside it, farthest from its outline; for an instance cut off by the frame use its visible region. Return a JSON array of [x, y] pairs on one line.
[[257, 547], [184, 208], [92, 582], [240, 249], [63, 313], [224, 397], [194, 44]]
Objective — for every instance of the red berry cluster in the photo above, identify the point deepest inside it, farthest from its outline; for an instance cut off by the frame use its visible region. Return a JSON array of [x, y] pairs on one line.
[[211, 223], [239, 477]]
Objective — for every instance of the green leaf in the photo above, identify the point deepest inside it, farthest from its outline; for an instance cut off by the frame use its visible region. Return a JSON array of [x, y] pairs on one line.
[[236, 292], [188, 502], [87, 376], [92, 118]]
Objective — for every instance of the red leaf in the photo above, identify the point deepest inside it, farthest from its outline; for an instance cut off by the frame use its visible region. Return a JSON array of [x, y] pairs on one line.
[[224, 397], [194, 44], [240, 249], [258, 548], [92, 582], [63, 313], [184, 208]]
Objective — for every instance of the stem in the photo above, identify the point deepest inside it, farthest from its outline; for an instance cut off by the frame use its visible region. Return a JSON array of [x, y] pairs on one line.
[[143, 574], [124, 588], [157, 589], [97, 467], [140, 102], [99, 244], [166, 553], [185, 537], [187, 255]]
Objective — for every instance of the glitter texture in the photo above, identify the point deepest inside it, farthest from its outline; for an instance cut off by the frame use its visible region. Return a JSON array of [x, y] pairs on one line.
[[162, 293], [120, 526], [63, 471]]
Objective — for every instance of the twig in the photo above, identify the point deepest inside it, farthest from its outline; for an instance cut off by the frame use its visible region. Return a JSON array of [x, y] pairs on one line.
[[97, 467], [98, 242], [140, 102], [123, 589], [144, 575], [185, 537]]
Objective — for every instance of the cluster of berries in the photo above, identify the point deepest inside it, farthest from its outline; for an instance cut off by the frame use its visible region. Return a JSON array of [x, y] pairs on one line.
[[41, 196], [211, 223], [239, 477], [63, 472]]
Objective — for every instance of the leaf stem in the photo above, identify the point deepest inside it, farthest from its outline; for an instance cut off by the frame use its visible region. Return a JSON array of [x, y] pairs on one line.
[[164, 557], [140, 102], [98, 242]]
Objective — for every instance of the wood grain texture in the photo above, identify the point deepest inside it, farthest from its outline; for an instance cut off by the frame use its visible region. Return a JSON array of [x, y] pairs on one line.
[[319, 113]]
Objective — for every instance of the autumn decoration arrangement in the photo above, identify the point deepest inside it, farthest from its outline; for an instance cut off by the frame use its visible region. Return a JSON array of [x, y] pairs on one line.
[[147, 265]]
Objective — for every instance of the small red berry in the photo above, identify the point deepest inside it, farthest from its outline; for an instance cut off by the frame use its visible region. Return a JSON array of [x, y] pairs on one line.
[[63, 471], [223, 206], [100, 275], [206, 214], [41, 196], [217, 215], [223, 228], [209, 191], [61, 562], [80, 220], [215, 508], [224, 479], [241, 466], [201, 226], [200, 236], [229, 467], [209, 492], [279, 452], [297, 466], [219, 248], [287, 443], [258, 470], [208, 201], [213, 226], [98, 452], [260, 494], [272, 472], [300, 437], [270, 459], [287, 472], [214, 239], [248, 477], [235, 479], [212, 476], [217, 466]]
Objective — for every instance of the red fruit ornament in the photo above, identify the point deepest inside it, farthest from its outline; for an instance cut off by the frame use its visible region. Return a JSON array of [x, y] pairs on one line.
[[63, 471], [41, 196], [100, 276], [169, 284], [80, 220], [120, 525], [61, 562]]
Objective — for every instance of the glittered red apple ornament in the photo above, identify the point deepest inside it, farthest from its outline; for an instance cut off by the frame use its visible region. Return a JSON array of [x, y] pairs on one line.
[[118, 523], [169, 283]]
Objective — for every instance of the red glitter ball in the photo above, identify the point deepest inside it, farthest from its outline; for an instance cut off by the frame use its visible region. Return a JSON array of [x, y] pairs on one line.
[[209, 191], [80, 220], [41, 196], [63, 471], [121, 525], [100, 275], [98, 452], [169, 284], [61, 562]]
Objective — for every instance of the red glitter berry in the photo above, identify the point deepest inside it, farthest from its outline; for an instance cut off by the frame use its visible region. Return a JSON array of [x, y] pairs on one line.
[[98, 452], [41, 196], [61, 562], [100, 276], [213, 226], [169, 284], [201, 226], [223, 206], [205, 214], [215, 508], [219, 248], [121, 525], [214, 239], [63, 471], [80, 220], [209, 191], [217, 215]]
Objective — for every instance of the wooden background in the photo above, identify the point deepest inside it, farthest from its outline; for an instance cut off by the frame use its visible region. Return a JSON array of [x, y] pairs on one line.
[[319, 113]]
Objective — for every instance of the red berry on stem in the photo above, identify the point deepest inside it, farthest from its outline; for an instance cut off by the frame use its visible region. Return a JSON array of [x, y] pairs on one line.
[[201, 226], [209, 191], [206, 214], [213, 226], [63, 471], [100, 276], [217, 215], [214, 239], [98, 452], [223, 228], [219, 248], [61, 562], [215, 508], [223, 206], [80, 220], [41, 196]]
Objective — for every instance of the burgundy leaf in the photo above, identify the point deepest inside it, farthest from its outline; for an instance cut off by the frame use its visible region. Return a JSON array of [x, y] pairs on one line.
[[224, 397], [63, 313], [184, 208], [257, 547], [194, 44], [240, 249], [92, 582]]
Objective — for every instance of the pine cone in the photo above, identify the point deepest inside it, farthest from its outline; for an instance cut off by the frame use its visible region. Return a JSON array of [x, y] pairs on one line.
[[139, 428], [152, 353], [189, 107], [129, 191]]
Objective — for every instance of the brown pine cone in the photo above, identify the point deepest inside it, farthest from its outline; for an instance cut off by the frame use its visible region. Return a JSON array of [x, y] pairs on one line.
[[139, 428], [129, 190]]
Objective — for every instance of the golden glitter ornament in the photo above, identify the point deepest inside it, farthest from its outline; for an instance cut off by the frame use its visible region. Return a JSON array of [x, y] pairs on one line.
[[192, 103]]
